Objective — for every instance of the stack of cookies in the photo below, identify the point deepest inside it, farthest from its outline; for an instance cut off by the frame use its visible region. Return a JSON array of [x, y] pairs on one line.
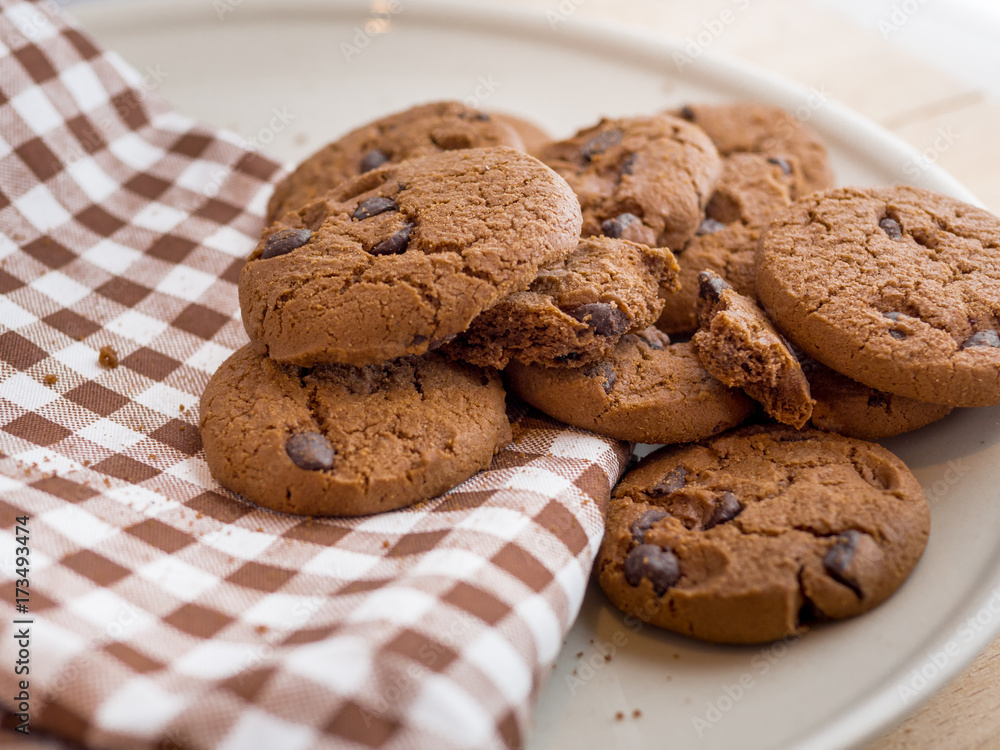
[[638, 279]]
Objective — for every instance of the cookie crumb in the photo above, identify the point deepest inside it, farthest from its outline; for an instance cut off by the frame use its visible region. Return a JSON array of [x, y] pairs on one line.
[[607, 657], [636, 714], [620, 716], [108, 357], [107, 482], [385, 544], [51, 379], [579, 654], [199, 515], [261, 629], [182, 407]]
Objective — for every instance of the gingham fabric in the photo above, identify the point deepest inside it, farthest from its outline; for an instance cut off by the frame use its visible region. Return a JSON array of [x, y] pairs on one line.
[[162, 610]]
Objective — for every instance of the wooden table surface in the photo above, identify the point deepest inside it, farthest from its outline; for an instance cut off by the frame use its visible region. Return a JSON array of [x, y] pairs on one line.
[[928, 74]]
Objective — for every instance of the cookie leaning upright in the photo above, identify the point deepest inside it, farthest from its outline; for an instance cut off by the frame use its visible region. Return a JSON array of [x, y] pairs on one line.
[[895, 287], [402, 258], [644, 179]]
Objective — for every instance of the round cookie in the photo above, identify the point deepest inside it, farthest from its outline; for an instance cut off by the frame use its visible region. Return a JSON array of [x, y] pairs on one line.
[[345, 441], [851, 409], [418, 131], [575, 311], [533, 136], [647, 391], [644, 179], [750, 191], [738, 344], [749, 536], [398, 260], [748, 127], [895, 287]]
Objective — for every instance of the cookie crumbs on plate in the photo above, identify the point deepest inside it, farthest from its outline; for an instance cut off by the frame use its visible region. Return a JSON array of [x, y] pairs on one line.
[[385, 544], [636, 714], [579, 654], [108, 357], [619, 716], [51, 379]]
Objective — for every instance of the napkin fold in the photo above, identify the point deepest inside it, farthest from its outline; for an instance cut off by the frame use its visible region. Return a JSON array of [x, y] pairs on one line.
[[153, 608]]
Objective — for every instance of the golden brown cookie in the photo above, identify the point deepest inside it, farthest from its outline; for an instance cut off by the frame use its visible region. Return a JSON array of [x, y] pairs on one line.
[[751, 190], [418, 131], [895, 287], [645, 179], [851, 409], [646, 390], [346, 441], [575, 311], [398, 260], [749, 127], [751, 535], [739, 345]]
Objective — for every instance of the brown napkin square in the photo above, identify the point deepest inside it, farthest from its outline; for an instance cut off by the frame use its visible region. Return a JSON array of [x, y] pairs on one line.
[[161, 610]]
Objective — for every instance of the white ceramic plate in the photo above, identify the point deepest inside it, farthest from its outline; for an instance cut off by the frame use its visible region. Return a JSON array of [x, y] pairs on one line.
[[292, 75]]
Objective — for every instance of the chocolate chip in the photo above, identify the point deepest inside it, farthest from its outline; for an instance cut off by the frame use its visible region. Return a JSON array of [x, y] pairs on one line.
[[395, 244], [482, 117], [711, 286], [894, 317], [602, 370], [284, 241], [654, 345], [645, 522], [658, 564], [605, 318], [373, 159], [988, 337], [726, 509], [374, 207], [672, 482], [838, 559], [709, 226], [687, 113], [600, 143], [891, 227], [310, 451], [614, 227], [878, 400], [786, 168], [629, 164]]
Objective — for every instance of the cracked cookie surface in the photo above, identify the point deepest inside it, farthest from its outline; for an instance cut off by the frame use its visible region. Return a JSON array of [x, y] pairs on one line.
[[646, 390], [645, 179], [575, 311], [750, 536], [897, 288], [750, 191], [748, 127], [418, 131], [738, 344], [398, 260], [345, 441]]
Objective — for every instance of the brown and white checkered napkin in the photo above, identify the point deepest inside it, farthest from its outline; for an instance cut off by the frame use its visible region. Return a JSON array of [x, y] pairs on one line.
[[164, 611]]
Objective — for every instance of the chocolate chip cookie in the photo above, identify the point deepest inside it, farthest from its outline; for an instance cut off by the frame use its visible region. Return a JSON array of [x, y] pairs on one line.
[[398, 260], [647, 391], [345, 441], [738, 344], [747, 127], [851, 409], [751, 190], [895, 287], [645, 179], [575, 311], [533, 135], [750, 536], [418, 131]]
